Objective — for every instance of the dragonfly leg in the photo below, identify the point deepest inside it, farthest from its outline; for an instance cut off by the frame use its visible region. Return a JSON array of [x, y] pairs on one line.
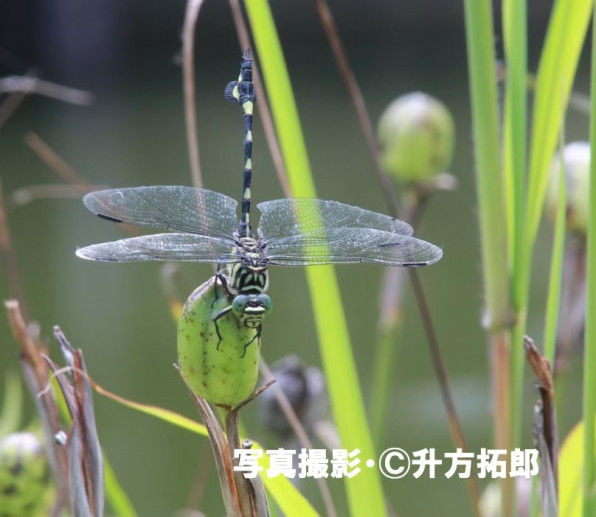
[[221, 313], [257, 336], [224, 284]]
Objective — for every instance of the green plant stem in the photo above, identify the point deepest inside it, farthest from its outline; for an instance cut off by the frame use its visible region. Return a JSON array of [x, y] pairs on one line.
[[558, 64], [515, 119], [556, 271], [386, 348], [491, 202], [481, 58], [340, 370], [489, 184], [589, 474]]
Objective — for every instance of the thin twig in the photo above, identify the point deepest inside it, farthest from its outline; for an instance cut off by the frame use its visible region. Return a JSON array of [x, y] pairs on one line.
[[262, 105], [300, 433], [56, 163], [441, 373], [29, 84], [64, 171], [10, 105], [32, 193], [351, 84], [10, 262], [188, 38]]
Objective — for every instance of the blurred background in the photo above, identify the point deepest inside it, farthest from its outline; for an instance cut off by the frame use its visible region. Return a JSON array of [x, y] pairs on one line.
[[126, 53]]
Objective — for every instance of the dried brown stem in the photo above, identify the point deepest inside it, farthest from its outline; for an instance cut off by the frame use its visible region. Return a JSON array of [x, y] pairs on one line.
[[541, 367], [30, 84], [223, 457], [62, 169], [300, 433], [440, 371], [351, 84], [9, 261], [36, 375], [32, 193], [10, 105], [188, 38]]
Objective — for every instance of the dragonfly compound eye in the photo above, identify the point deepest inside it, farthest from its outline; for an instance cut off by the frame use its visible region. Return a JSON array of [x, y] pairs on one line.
[[250, 309]]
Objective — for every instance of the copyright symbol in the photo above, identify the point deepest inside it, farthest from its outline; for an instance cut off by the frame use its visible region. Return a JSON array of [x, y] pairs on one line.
[[394, 463]]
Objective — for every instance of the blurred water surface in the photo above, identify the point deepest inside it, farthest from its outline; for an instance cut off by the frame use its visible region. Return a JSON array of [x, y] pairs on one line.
[[134, 135]]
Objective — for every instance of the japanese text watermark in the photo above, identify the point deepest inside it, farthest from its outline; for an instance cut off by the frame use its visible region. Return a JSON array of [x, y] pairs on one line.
[[393, 463]]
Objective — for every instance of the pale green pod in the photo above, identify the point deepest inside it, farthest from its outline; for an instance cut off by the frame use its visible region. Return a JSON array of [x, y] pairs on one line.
[[25, 483], [223, 372], [576, 160], [416, 137]]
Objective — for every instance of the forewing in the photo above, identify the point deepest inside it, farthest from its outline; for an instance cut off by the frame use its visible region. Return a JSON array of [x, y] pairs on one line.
[[294, 216], [163, 246], [177, 208], [352, 245]]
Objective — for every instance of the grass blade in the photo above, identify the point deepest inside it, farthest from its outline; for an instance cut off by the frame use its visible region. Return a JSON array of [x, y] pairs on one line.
[[589, 471], [558, 64], [481, 58], [365, 495], [556, 271], [515, 119], [556, 71]]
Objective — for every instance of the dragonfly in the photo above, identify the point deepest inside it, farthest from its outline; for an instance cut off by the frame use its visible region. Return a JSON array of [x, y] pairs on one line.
[[203, 226]]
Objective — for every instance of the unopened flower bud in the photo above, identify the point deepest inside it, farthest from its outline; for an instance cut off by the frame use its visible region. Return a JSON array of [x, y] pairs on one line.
[[417, 136], [218, 355], [576, 160], [24, 476]]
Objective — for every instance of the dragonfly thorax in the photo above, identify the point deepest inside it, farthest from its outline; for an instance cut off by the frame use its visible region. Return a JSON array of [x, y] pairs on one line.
[[247, 279], [249, 275]]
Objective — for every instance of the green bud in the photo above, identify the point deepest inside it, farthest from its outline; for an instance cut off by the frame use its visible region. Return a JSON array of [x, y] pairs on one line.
[[576, 159], [24, 476], [416, 136], [224, 372], [491, 502]]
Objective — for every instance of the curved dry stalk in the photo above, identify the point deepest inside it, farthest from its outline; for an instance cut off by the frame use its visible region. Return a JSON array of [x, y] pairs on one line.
[[10, 263], [188, 37], [62, 169], [28, 84], [10, 105], [300, 433]]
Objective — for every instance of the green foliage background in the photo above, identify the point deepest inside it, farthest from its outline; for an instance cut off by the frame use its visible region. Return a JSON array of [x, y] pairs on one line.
[[134, 135]]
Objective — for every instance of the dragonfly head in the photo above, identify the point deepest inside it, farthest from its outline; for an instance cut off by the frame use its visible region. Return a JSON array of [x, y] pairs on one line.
[[250, 309]]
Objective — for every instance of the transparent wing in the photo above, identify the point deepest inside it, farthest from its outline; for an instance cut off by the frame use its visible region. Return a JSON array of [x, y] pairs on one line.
[[286, 217], [177, 208], [163, 246], [352, 245]]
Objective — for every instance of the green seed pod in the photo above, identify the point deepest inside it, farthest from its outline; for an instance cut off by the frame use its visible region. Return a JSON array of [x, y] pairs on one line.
[[24, 476], [225, 371], [416, 136], [576, 160]]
